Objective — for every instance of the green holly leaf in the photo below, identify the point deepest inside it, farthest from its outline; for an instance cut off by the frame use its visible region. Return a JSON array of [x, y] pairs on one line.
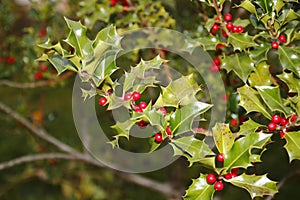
[[77, 38], [223, 137], [247, 5], [208, 43], [289, 15], [260, 52], [181, 120], [241, 41], [248, 127], [290, 58], [261, 75], [181, 91], [252, 102], [199, 190], [292, 145], [123, 129], [241, 22], [272, 98], [239, 155], [194, 150], [265, 4], [86, 94], [292, 82], [257, 186]]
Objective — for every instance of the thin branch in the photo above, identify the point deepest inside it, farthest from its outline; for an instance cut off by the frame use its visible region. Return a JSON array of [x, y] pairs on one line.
[[72, 154], [34, 84]]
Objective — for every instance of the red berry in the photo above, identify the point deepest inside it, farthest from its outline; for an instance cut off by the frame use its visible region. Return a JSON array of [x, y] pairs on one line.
[[228, 176], [38, 76], [276, 119], [211, 178], [124, 3], [142, 105], [138, 110], [42, 33], [233, 122], [217, 19], [274, 45], [234, 172], [102, 101], [225, 97], [113, 2], [220, 157], [220, 46], [142, 124], [218, 186], [43, 68], [293, 118], [229, 26], [224, 33], [168, 130], [158, 137], [127, 96], [214, 68], [11, 60], [240, 29], [228, 17], [163, 110], [282, 38], [217, 61], [234, 29], [136, 96], [284, 121], [272, 126], [215, 27], [281, 134]]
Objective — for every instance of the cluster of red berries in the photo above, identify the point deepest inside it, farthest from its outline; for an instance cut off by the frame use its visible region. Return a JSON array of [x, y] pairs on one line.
[[281, 124], [217, 180], [9, 60], [158, 137], [281, 39], [39, 75], [228, 24], [216, 65]]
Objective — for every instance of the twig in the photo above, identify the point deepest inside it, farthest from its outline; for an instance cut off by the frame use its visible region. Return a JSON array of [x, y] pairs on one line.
[[35, 84]]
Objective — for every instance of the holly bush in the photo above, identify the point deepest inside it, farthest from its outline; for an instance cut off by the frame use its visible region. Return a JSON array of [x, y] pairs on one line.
[[254, 46]]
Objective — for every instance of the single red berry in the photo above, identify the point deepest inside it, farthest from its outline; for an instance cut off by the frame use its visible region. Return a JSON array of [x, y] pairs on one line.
[[113, 2], [11, 60], [217, 19], [42, 33], [136, 95], [240, 29], [138, 110], [284, 121], [217, 61], [214, 68], [215, 27], [274, 45], [43, 68], [142, 124], [234, 172], [228, 176], [38, 76], [220, 46], [168, 130], [124, 3], [163, 110], [225, 97], [281, 134], [282, 38], [272, 126], [233, 122], [224, 34], [242, 119], [229, 26], [211, 179], [125, 8], [158, 137], [234, 29], [276, 119], [220, 157], [102, 101], [127, 96], [143, 105], [228, 17], [293, 118], [219, 186]]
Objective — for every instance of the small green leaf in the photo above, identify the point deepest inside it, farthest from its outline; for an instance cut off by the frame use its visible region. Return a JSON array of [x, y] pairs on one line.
[[241, 64], [257, 186], [292, 82], [247, 5], [259, 53], [181, 120], [123, 128], [265, 4], [289, 16], [199, 190], [241, 41], [272, 98], [279, 5], [290, 58], [239, 155], [261, 75], [223, 137], [293, 145], [251, 101], [248, 127]]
